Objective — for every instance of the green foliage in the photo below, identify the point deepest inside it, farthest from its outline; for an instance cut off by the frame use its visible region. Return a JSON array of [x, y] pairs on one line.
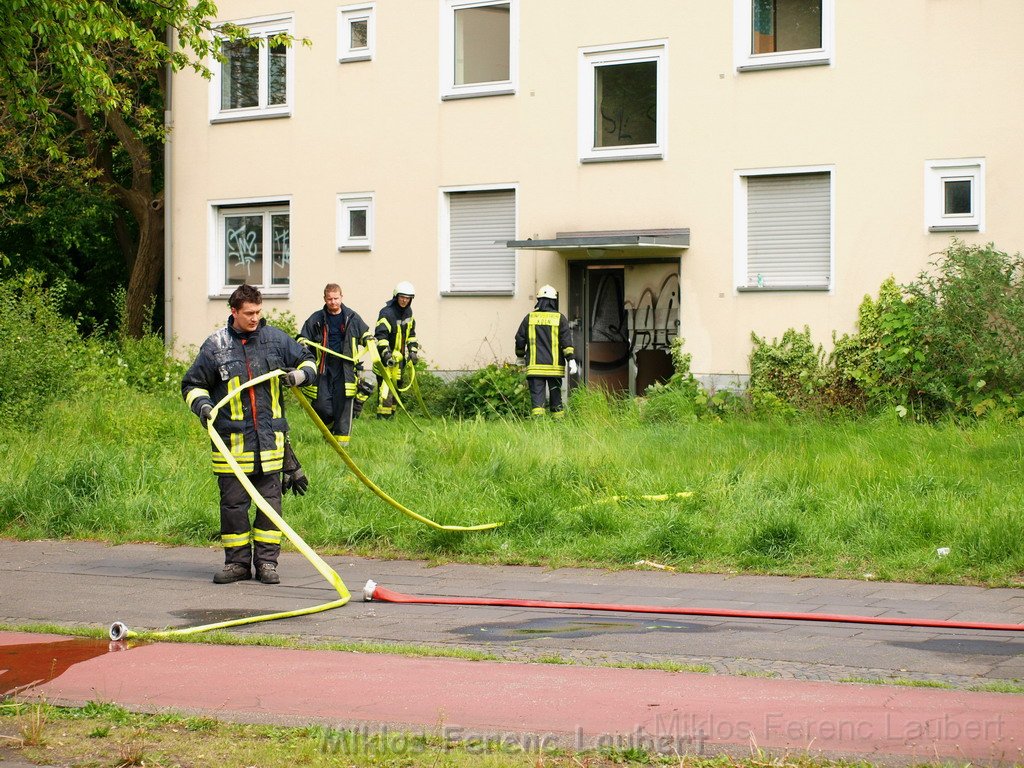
[[499, 390], [40, 351], [283, 319], [950, 342], [790, 369]]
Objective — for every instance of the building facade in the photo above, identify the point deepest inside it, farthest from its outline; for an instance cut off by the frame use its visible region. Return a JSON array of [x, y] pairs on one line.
[[694, 168]]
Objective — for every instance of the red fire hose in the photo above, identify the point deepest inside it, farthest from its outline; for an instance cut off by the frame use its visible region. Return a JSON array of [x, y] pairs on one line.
[[373, 591]]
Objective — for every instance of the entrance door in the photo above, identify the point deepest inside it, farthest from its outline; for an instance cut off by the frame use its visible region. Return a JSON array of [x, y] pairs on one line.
[[601, 324], [624, 317]]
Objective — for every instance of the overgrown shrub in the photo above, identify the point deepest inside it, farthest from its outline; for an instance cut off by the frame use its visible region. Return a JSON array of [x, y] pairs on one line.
[[791, 369], [950, 342], [495, 391], [40, 351]]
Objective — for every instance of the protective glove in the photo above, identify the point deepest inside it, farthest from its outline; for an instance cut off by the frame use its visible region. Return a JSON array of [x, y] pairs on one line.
[[296, 482], [204, 414], [294, 479], [573, 368], [414, 355], [294, 377], [385, 356], [520, 361], [365, 385]]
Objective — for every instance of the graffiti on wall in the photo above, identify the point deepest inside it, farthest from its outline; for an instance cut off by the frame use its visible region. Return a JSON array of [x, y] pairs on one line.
[[654, 319]]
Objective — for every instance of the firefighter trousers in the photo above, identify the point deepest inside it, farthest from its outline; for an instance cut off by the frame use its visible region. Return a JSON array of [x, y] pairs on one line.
[[246, 544]]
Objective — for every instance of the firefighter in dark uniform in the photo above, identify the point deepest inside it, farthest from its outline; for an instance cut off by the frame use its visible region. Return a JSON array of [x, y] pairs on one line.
[[545, 336], [341, 330], [395, 333], [252, 424]]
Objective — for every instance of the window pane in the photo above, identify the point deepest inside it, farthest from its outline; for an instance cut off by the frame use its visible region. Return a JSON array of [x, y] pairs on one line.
[[957, 197], [626, 104], [240, 76], [277, 78], [243, 250], [358, 34], [357, 222], [280, 232], [785, 25], [482, 44]]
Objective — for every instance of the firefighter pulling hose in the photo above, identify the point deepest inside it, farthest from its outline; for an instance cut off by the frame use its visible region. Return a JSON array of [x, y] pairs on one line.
[[120, 631]]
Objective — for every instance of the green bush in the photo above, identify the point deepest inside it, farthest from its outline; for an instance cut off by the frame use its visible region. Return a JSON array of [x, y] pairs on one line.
[[40, 351], [792, 369], [495, 391]]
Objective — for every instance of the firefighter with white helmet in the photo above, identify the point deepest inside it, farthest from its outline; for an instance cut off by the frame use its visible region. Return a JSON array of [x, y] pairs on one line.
[[395, 333], [544, 345]]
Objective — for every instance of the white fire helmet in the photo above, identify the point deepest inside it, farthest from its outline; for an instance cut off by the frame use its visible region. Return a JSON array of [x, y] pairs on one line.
[[547, 292], [405, 288]]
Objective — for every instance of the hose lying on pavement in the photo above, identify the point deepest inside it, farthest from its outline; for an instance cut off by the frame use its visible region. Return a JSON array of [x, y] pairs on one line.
[[120, 631], [373, 591]]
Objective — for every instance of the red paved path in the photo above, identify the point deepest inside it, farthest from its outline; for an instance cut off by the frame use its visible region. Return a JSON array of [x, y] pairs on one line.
[[531, 703]]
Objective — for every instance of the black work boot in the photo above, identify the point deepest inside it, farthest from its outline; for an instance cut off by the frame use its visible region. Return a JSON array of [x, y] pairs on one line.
[[267, 573], [232, 572]]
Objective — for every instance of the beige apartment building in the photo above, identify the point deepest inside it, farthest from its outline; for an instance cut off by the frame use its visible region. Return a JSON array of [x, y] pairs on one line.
[[694, 168]]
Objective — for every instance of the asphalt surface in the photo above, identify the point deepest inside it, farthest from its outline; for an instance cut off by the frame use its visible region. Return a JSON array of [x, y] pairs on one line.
[[774, 684]]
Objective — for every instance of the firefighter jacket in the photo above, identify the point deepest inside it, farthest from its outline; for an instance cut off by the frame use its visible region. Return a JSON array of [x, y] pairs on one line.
[[396, 329], [545, 339], [355, 338], [252, 422]]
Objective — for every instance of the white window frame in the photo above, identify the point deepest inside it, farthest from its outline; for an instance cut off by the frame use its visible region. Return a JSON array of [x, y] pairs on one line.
[[347, 14], [444, 232], [740, 230], [262, 27], [936, 173], [217, 211], [743, 24], [449, 90], [346, 204], [623, 53]]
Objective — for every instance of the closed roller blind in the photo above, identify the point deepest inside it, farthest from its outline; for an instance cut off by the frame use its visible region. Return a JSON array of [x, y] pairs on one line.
[[789, 230], [477, 263]]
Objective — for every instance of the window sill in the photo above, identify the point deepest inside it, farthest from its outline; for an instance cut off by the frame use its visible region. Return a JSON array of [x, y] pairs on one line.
[[355, 57], [266, 293], [354, 248], [759, 65], [659, 155], [954, 228], [229, 118], [778, 288], [457, 294], [457, 95]]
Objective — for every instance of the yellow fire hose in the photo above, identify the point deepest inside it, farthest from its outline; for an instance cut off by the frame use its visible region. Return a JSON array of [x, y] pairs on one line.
[[370, 484], [381, 369], [120, 631]]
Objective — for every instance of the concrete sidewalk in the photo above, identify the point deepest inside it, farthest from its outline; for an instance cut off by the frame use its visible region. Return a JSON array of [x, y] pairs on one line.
[[760, 662]]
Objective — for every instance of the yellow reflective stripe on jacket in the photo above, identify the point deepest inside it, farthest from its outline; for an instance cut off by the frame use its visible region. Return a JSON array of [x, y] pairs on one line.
[[273, 459], [235, 403], [235, 539], [246, 459], [550, 371], [195, 394], [310, 364], [266, 537]]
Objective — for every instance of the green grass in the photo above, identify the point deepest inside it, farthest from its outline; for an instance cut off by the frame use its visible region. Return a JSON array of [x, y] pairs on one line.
[[665, 666], [907, 682], [999, 686], [806, 497], [102, 734]]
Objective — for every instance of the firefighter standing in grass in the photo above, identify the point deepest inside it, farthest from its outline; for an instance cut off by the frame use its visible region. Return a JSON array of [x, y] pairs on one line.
[[396, 343], [544, 344], [252, 424], [338, 384]]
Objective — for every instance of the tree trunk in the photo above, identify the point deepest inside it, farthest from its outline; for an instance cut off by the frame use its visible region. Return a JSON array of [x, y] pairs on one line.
[[147, 270]]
